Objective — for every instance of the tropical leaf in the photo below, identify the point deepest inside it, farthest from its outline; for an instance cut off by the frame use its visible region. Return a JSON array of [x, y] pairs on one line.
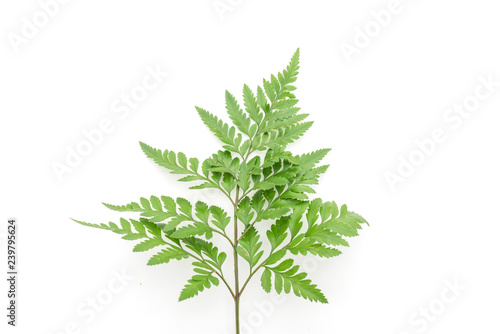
[[287, 279], [249, 247], [268, 188], [198, 283], [167, 254], [226, 134]]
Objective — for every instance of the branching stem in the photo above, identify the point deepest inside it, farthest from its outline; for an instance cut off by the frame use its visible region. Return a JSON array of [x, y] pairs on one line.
[[236, 273]]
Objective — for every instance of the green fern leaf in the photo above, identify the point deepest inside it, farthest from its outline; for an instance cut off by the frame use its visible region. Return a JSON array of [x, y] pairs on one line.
[[224, 132], [198, 283], [287, 279], [251, 105], [265, 280], [263, 181], [192, 230], [165, 255], [236, 114], [148, 244], [249, 247]]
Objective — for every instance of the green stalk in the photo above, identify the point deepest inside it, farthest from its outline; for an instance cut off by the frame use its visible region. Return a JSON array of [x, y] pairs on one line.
[[236, 274]]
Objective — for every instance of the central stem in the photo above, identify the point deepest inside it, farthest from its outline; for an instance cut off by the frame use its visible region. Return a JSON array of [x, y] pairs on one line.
[[236, 275]]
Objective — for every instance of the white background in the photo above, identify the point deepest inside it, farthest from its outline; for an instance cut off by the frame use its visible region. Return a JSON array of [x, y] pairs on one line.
[[440, 225]]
